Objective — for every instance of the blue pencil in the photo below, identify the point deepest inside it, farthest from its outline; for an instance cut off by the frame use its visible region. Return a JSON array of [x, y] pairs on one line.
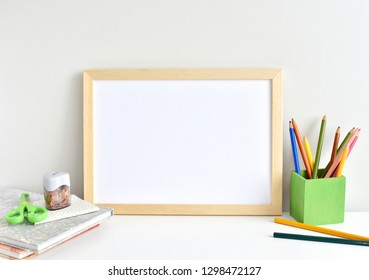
[[294, 149]]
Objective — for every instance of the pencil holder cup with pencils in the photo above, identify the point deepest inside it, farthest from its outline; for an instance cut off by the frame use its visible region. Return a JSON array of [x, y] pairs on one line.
[[317, 201]]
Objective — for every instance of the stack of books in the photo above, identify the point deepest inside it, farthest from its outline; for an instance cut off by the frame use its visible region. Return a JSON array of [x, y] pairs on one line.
[[26, 240]]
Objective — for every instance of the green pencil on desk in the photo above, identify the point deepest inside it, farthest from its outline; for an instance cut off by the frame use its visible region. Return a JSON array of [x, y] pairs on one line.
[[320, 239]]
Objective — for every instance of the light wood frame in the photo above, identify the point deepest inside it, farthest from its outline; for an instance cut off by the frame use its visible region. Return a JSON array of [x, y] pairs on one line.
[[274, 75]]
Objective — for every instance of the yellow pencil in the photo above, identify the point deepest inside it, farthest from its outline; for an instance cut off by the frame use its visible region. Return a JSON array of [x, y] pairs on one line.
[[342, 163], [308, 152], [320, 229]]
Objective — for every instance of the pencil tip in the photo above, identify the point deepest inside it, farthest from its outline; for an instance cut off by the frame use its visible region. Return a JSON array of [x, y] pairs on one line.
[[325, 117]]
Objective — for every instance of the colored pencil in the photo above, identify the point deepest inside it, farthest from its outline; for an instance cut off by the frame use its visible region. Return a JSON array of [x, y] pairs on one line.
[[342, 163], [308, 153], [355, 136], [320, 229], [343, 143], [302, 150], [345, 140], [320, 239], [339, 156], [354, 141], [294, 149], [335, 144], [319, 147]]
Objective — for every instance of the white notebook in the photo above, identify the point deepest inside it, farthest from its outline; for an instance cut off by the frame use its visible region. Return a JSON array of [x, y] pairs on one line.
[[77, 207], [67, 223]]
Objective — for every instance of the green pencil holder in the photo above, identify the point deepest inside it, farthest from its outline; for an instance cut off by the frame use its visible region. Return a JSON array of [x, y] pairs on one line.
[[317, 201]]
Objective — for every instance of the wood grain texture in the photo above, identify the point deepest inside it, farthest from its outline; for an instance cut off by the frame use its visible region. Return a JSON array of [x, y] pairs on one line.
[[274, 75]]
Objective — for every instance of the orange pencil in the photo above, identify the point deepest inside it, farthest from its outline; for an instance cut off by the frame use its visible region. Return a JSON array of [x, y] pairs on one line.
[[302, 150]]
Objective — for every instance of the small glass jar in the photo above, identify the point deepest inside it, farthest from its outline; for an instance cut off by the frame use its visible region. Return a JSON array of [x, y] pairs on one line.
[[57, 190]]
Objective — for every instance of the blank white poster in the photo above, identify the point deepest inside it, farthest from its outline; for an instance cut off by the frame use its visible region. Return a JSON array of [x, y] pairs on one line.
[[182, 141]]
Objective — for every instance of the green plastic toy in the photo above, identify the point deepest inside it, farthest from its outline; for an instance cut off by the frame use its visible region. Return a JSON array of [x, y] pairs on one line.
[[26, 210]]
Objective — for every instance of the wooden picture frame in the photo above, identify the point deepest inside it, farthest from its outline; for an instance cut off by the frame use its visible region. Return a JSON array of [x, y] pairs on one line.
[[230, 162]]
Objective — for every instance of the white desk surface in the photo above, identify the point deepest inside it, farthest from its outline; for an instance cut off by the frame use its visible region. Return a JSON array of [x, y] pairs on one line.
[[206, 238]]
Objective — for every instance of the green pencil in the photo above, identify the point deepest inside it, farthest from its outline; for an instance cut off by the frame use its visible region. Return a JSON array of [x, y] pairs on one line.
[[320, 239], [319, 147]]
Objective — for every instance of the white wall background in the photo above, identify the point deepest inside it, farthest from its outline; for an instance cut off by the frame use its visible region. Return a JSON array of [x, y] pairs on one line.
[[322, 47]]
